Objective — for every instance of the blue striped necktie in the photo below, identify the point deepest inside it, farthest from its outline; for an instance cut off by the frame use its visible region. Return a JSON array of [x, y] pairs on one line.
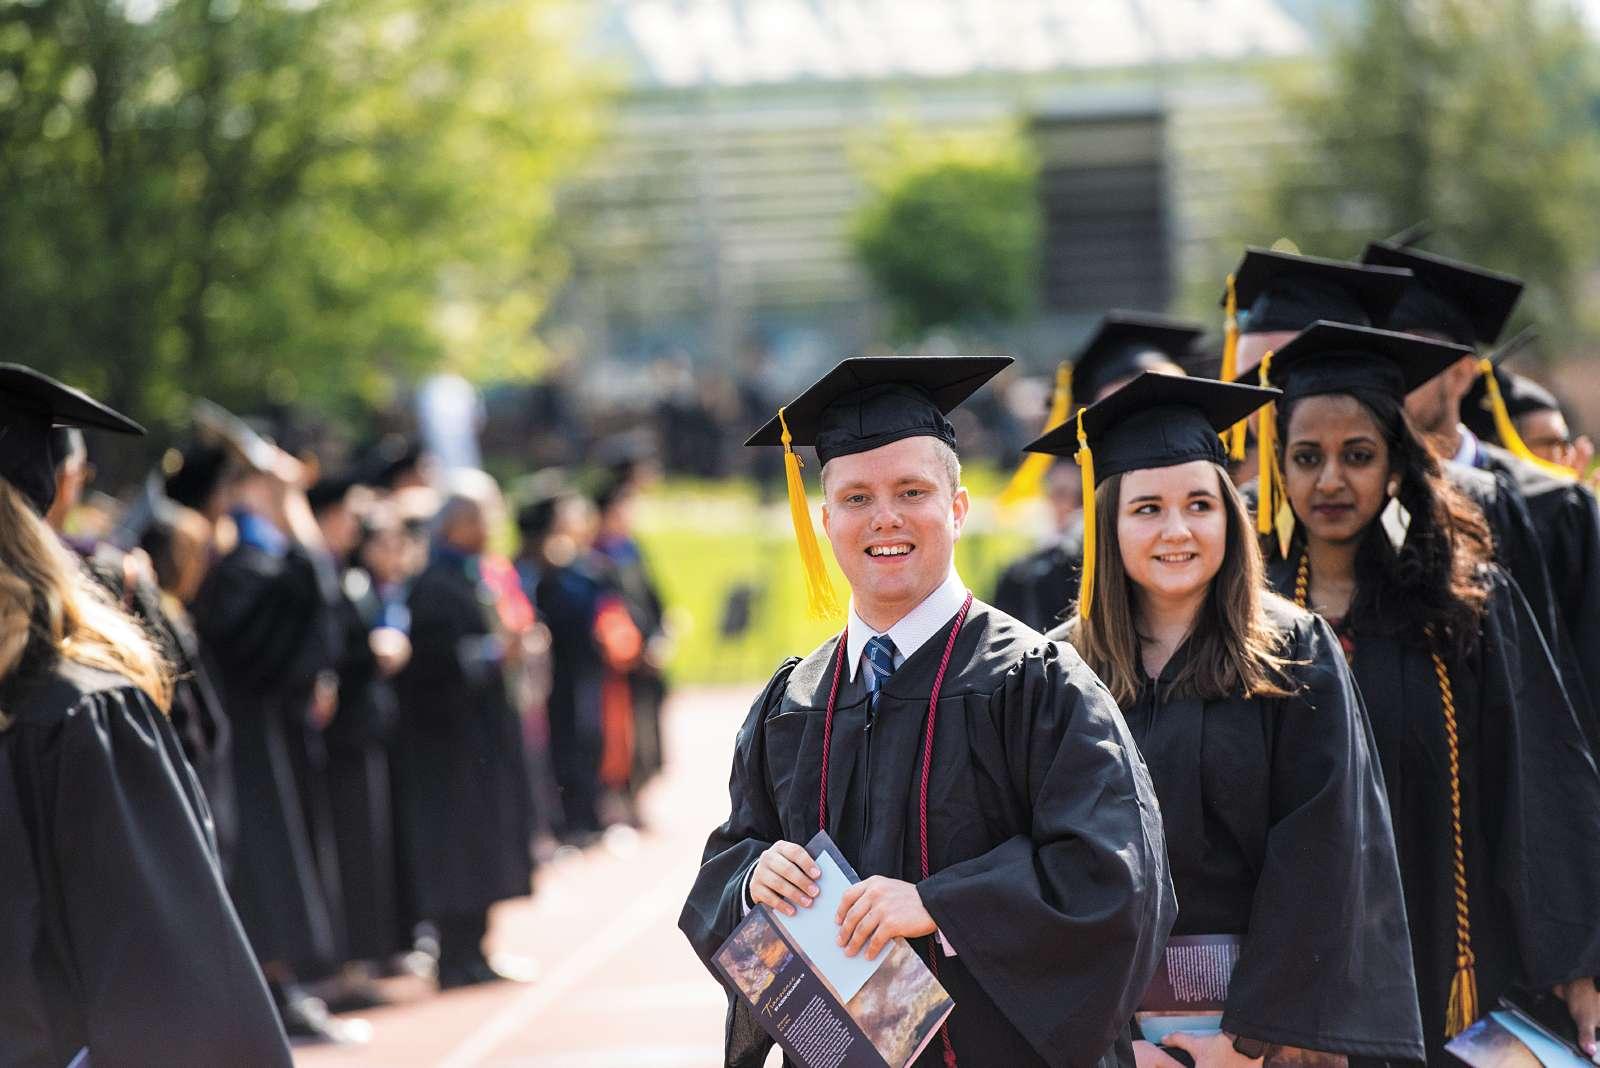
[[880, 663]]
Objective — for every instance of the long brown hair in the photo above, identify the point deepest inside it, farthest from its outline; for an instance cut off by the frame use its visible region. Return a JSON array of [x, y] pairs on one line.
[[50, 607], [1234, 649]]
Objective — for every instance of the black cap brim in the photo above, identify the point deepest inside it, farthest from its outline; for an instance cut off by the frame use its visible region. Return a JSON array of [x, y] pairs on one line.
[[1157, 420], [1126, 343], [1303, 289], [24, 389], [1335, 357], [913, 394]]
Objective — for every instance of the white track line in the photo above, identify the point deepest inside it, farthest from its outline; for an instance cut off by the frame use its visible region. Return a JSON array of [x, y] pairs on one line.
[[578, 965]]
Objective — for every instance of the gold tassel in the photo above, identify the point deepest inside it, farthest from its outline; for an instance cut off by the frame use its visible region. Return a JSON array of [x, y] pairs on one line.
[[1462, 1009], [820, 598], [1030, 474], [1086, 467], [1269, 492], [1507, 430], [1234, 436]]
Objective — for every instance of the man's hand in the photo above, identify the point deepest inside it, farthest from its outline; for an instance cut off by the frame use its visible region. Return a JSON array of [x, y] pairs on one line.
[[1149, 1055], [877, 909], [1583, 1002], [1210, 1051], [783, 878]]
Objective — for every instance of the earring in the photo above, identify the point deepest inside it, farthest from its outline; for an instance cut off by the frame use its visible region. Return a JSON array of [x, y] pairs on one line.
[[1396, 522]]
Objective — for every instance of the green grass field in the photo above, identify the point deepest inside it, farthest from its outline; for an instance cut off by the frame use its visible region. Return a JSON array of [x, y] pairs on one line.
[[705, 539]]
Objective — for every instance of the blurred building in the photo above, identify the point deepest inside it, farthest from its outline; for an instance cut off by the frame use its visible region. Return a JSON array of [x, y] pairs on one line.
[[715, 221]]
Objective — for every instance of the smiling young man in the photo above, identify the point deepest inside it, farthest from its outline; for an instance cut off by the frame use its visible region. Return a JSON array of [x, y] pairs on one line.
[[979, 777]]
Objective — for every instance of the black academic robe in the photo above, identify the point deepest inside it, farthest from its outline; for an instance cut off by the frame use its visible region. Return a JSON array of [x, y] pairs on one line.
[[117, 933], [461, 777], [1278, 831], [358, 779], [1038, 588], [567, 599], [266, 621], [1567, 520], [1530, 805], [1049, 875]]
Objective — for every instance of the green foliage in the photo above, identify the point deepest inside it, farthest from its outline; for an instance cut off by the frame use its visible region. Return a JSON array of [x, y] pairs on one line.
[[1476, 115], [281, 199], [950, 234]]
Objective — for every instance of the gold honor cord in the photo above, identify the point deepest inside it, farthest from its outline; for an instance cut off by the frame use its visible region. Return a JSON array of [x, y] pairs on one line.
[[1233, 437], [1090, 529], [1030, 474], [1462, 1007], [820, 598], [1507, 430]]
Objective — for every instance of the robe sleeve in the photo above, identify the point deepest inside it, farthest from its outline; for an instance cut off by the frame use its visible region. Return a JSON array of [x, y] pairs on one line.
[[1574, 563], [1085, 891], [1326, 964], [716, 900], [269, 624], [159, 959], [1546, 794]]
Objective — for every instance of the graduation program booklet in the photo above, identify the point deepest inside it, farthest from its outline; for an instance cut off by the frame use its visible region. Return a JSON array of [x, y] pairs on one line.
[[1189, 992], [825, 1009], [1521, 1032]]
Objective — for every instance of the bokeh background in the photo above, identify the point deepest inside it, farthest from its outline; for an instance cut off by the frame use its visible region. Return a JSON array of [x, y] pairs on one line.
[[667, 215]]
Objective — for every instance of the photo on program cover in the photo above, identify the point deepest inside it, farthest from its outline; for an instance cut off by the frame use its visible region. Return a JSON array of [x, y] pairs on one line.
[[754, 956]]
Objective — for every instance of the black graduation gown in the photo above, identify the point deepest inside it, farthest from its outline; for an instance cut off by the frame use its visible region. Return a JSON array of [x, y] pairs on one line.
[[461, 777], [1567, 520], [358, 780], [1049, 872], [117, 932], [1530, 805], [567, 600], [266, 621], [1038, 588], [631, 578], [1278, 830]]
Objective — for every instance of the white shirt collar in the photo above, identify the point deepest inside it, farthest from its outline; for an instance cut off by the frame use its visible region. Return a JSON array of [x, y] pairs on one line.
[[914, 628], [1466, 447]]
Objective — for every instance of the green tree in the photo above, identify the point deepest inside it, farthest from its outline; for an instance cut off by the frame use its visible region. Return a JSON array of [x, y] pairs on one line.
[[1478, 116], [281, 199], [950, 232]]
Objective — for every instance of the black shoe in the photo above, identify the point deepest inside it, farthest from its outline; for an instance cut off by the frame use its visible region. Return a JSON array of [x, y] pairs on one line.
[[478, 971]]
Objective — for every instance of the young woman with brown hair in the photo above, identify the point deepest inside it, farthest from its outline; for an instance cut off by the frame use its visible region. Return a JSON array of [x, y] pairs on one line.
[[1492, 788], [118, 936], [1250, 726]]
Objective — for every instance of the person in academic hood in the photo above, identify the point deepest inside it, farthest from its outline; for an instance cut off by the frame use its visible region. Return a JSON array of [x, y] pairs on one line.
[[978, 777], [1037, 587], [118, 937], [1492, 788], [1252, 729]]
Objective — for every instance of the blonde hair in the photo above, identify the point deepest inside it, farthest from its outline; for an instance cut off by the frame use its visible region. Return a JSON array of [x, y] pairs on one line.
[[1235, 648], [48, 602]]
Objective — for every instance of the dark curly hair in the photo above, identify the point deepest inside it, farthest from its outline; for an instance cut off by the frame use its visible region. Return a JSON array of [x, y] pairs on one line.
[[1437, 583]]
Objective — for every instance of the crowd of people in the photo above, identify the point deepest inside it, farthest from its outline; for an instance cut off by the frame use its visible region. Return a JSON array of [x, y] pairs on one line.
[[382, 720], [1307, 670]]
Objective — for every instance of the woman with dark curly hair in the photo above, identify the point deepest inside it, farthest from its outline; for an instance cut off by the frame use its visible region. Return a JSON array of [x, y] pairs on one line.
[[1492, 789], [1247, 717], [118, 941]]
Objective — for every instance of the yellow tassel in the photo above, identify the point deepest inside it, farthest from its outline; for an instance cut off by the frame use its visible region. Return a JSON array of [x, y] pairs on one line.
[[820, 598], [1507, 430], [1267, 458], [1234, 436], [1030, 474], [1462, 1008], [1086, 467]]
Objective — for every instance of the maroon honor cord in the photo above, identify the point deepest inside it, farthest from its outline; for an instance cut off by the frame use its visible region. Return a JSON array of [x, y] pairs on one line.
[[927, 767]]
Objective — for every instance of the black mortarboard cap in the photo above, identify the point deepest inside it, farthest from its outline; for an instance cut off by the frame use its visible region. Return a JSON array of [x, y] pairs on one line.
[[1285, 291], [193, 473], [1465, 303], [31, 406], [867, 402], [1338, 358], [1156, 420], [332, 489], [1126, 343]]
